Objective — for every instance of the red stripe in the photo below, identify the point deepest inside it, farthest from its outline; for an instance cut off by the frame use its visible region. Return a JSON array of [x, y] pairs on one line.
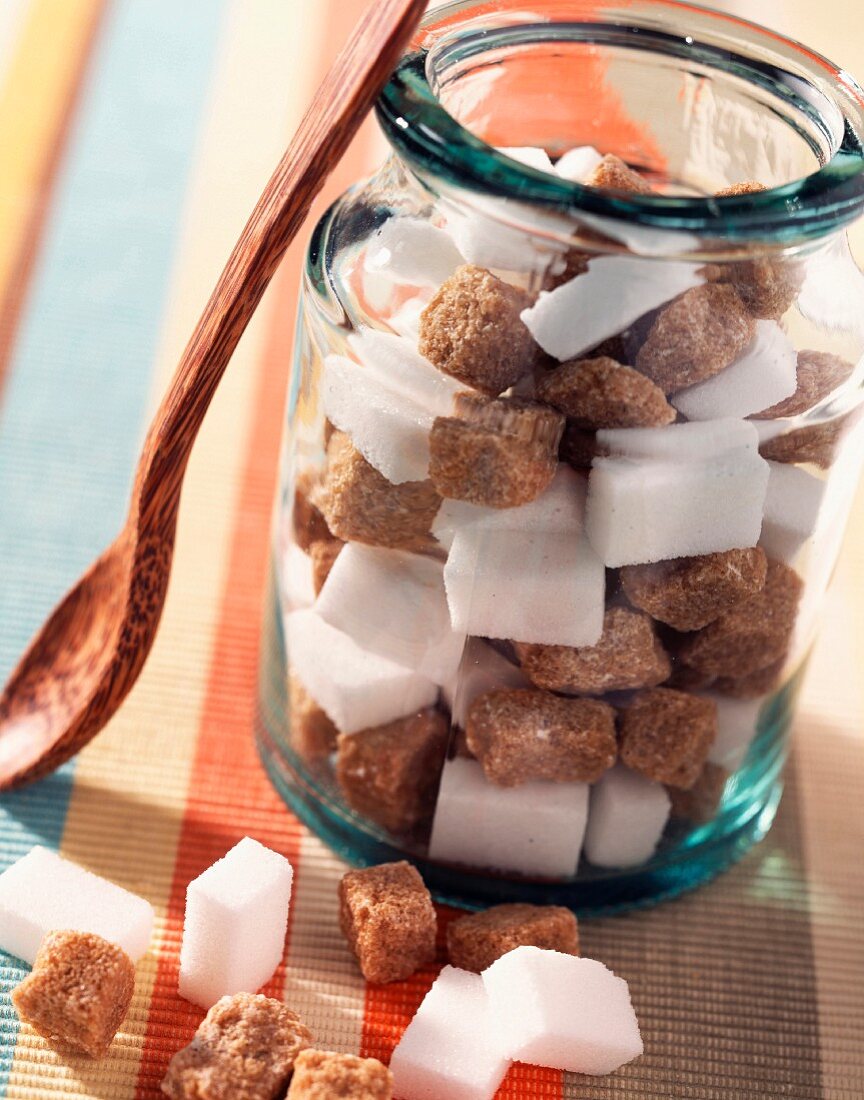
[[14, 297]]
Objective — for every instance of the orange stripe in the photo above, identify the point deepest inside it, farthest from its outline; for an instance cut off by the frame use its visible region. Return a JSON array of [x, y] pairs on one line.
[[52, 137]]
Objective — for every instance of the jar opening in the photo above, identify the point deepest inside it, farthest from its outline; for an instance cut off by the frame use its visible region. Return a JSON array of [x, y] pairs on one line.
[[695, 99]]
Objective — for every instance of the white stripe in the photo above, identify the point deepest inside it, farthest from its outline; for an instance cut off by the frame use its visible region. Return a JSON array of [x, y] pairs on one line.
[[11, 21]]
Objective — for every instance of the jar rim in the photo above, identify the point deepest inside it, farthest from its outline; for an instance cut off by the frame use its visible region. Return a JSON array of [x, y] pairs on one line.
[[425, 134]]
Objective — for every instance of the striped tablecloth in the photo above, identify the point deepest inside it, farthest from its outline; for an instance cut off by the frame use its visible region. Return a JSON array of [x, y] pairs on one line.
[[134, 138]]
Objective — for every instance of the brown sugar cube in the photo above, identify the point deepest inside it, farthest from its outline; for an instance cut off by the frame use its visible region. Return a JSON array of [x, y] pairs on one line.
[[324, 1075], [478, 939], [577, 448], [245, 1049], [748, 187], [612, 174], [361, 504], [753, 634], [667, 735], [754, 685], [472, 330], [628, 655], [311, 733], [818, 375], [78, 993], [700, 803], [523, 735], [323, 553], [390, 773], [817, 443], [498, 453], [387, 916], [600, 393], [696, 337], [684, 678], [307, 521], [689, 593]]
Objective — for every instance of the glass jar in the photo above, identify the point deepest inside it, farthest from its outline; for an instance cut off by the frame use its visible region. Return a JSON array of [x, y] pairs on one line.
[[569, 452]]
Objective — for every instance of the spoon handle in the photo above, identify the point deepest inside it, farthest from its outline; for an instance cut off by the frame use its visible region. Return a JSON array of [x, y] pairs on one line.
[[339, 107]]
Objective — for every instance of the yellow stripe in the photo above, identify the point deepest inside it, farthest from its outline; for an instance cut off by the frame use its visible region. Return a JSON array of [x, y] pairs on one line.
[[11, 18], [34, 95], [127, 805]]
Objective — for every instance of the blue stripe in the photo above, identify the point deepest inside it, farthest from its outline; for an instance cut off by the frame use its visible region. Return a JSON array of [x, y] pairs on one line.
[[71, 421]]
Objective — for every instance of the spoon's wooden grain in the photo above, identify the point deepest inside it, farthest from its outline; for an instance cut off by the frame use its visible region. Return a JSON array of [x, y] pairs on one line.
[[89, 653]]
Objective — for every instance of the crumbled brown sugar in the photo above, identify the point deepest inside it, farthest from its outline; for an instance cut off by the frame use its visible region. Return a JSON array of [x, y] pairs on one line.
[[387, 916], [521, 735], [818, 374], [690, 593], [308, 523], [667, 735], [323, 553], [753, 634], [475, 941], [311, 733], [496, 453], [325, 1075], [390, 773], [700, 334], [700, 803], [360, 504], [601, 393], [78, 993], [472, 330], [628, 655], [612, 174], [245, 1049]]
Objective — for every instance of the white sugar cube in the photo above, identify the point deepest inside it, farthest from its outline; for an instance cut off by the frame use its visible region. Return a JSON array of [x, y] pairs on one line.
[[399, 367], [482, 669], [536, 828], [528, 155], [578, 164], [235, 924], [405, 321], [440, 662], [355, 688], [390, 431], [764, 374], [792, 506], [450, 1050], [613, 293], [562, 1011], [298, 584], [676, 492], [411, 250], [532, 586], [737, 721], [487, 236], [390, 602], [43, 893], [626, 818]]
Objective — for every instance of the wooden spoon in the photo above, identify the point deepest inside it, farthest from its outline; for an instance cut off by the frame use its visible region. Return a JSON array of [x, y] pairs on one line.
[[88, 654]]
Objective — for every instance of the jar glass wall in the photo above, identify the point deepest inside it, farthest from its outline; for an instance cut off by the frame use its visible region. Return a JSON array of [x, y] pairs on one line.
[[571, 441]]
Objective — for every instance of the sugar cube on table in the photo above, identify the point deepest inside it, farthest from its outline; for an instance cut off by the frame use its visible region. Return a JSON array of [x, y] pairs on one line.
[[529, 156], [578, 164], [482, 669], [325, 1075], [411, 250], [613, 293], [398, 365], [676, 499], [357, 689], [536, 586], [792, 506], [389, 430], [626, 818], [562, 1011], [235, 924], [762, 375], [451, 1049], [536, 828], [42, 893], [737, 721], [389, 601]]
